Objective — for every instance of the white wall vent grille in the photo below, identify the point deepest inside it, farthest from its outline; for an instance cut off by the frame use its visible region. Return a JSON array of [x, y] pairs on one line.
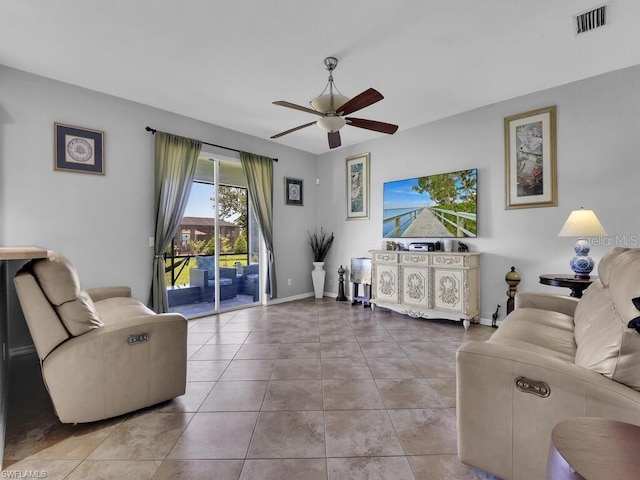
[[590, 20]]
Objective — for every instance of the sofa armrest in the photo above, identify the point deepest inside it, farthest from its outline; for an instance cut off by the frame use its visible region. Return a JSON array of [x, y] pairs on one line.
[[86, 387], [102, 293], [506, 431], [547, 301]]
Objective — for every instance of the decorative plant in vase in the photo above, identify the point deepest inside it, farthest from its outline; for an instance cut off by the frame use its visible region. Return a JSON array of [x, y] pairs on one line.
[[320, 244]]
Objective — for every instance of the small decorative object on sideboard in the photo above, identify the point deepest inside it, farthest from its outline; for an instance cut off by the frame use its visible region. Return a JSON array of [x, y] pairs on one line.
[[513, 279], [462, 247], [320, 244]]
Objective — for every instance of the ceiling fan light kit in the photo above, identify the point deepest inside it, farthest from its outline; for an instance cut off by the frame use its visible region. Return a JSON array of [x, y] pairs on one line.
[[333, 106]]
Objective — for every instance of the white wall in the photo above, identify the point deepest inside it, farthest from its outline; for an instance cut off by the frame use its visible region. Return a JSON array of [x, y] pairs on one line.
[[103, 223], [598, 156]]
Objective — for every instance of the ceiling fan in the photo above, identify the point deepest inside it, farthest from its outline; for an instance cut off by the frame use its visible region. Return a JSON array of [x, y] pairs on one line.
[[332, 108]]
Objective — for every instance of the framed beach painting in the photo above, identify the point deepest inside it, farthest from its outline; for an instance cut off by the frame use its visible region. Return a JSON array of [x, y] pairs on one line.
[[357, 176], [530, 159], [78, 149]]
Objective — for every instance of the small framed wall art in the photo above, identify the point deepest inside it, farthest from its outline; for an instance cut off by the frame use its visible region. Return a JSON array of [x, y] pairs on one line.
[[357, 186], [78, 149], [293, 191], [530, 159]]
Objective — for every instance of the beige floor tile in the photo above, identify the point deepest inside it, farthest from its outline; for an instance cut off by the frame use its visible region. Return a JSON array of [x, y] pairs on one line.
[[248, 370], [345, 368], [288, 435], [340, 350], [258, 351], [234, 338], [238, 327], [114, 470], [205, 370], [445, 467], [293, 395], [195, 394], [338, 337], [425, 431], [446, 388], [393, 368], [235, 396], [299, 350], [199, 470], [408, 393], [369, 468], [144, 436], [407, 335], [422, 349], [436, 367], [264, 337], [216, 352], [372, 335], [198, 338], [212, 436], [42, 436], [361, 433], [297, 369], [285, 469], [351, 394], [382, 350]]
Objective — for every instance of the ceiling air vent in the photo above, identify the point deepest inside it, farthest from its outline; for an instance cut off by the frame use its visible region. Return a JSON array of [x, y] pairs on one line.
[[590, 20]]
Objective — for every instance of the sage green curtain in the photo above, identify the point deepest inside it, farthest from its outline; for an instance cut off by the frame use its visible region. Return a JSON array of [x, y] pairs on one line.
[[176, 159], [259, 173]]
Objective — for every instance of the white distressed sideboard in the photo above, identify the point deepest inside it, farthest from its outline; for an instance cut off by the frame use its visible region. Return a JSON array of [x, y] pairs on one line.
[[427, 284]]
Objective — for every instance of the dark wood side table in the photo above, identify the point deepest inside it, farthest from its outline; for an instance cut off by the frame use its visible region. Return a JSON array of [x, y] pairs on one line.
[[576, 284], [594, 449]]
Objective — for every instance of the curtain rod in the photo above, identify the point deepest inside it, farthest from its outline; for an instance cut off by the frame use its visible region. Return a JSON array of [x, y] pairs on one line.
[[153, 131]]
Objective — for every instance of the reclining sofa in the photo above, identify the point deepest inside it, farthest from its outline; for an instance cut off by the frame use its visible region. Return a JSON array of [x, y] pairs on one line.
[[102, 353], [553, 358]]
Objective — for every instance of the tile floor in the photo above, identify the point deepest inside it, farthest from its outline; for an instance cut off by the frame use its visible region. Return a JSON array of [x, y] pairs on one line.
[[312, 389]]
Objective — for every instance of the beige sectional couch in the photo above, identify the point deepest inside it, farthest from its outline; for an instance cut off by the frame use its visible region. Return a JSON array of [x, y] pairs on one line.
[[554, 357]]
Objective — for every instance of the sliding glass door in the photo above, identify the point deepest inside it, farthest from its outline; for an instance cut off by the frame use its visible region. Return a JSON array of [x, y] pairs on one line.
[[213, 264]]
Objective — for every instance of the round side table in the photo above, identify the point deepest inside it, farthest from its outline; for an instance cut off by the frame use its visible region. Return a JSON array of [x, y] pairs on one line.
[[576, 284], [594, 449]]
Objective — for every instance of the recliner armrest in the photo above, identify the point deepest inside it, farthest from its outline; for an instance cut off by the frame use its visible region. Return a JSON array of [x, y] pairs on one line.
[[102, 293], [547, 301]]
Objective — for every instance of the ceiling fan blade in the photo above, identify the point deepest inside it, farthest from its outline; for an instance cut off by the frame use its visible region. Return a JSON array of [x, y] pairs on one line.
[[372, 125], [366, 98], [293, 129], [334, 139], [282, 103]]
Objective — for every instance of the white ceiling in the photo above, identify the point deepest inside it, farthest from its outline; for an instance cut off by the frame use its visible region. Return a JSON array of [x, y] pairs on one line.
[[224, 62]]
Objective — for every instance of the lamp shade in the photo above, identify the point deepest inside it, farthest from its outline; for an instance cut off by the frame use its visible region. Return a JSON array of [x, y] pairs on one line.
[[329, 102], [331, 124], [582, 223]]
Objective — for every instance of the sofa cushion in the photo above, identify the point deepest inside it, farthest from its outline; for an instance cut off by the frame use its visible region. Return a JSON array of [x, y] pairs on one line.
[[604, 341], [59, 281]]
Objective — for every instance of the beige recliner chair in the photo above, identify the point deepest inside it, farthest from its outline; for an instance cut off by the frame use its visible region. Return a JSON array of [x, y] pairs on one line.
[[102, 353], [553, 358]]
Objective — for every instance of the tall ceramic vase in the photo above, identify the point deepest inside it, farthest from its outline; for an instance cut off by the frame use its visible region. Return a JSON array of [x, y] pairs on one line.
[[317, 275]]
